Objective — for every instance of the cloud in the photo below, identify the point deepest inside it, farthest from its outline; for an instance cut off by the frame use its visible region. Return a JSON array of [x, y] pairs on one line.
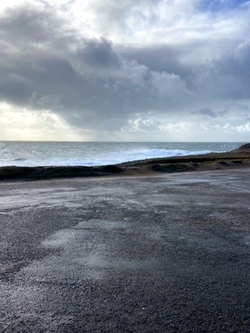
[[206, 112], [96, 55], [85, 83], [103, 67]]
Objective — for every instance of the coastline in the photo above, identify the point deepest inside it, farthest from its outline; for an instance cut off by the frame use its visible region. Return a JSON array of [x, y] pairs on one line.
[[239, 158]]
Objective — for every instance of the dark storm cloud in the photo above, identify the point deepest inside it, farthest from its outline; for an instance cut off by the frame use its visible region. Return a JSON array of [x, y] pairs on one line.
[[91, 85], [206, 112], [28, 25], [226, 78], [160, 58], [44, 64], [236, 67], [98, 54]]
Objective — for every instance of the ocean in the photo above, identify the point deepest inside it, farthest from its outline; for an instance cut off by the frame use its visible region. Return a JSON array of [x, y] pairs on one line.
[[99, 153]]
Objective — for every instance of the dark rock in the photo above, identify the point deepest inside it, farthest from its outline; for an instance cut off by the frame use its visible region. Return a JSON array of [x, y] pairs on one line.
[[246, 146]]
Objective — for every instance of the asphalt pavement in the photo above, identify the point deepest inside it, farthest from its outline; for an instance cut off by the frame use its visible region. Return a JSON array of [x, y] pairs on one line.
[[126, 254]]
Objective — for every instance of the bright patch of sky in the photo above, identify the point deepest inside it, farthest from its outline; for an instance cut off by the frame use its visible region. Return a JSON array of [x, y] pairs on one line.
[[221, 5]]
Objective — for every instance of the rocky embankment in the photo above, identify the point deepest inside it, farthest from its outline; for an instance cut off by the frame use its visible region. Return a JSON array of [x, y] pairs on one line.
[[212, 161]]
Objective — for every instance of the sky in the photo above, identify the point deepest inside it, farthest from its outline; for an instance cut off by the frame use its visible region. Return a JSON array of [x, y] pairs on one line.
[[108, 70]]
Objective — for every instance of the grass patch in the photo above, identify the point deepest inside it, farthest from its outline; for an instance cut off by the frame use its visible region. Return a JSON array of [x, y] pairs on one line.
[[39, 173], [171, 167]]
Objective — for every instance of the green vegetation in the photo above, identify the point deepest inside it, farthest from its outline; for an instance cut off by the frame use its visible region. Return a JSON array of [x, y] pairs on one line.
[[172, 167], [39, 173]]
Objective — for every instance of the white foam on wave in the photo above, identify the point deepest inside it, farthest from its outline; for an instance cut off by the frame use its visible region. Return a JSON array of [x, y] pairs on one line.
[[135, 155], [102, 159]]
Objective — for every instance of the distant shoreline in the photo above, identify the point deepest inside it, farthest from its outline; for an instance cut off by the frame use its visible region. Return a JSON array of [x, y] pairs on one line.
[[239, 158]]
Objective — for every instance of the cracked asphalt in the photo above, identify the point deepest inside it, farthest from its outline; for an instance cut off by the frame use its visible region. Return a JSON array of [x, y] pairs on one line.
[[126, 254]]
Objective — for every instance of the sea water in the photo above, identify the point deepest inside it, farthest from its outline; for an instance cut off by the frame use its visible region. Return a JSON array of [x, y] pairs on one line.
[[99, 153]]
